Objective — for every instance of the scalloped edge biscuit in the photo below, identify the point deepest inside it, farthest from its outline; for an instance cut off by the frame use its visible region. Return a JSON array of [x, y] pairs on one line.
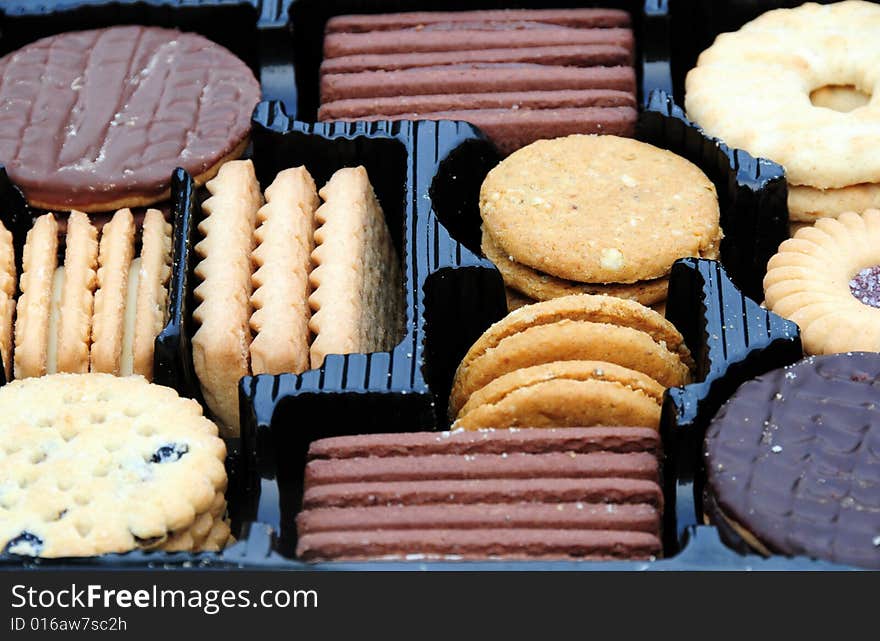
[[39, 263], [221, 344], [565, 394], [77, 298], [152, 291], [282, 258], [8, 284]]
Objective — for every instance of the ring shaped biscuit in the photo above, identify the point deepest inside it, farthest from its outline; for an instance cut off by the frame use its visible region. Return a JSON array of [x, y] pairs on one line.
[[572, 341], [599, 209], [752, 89], [827, 280], [565, 394]]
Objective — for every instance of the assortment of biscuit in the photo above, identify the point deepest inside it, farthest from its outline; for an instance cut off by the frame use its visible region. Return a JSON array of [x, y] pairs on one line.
[[596, 215], [285, 283], [506, 494], [575, 361], [519, 75]]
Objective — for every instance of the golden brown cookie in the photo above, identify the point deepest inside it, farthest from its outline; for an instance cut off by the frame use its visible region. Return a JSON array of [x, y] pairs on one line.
[[80, 280], [565, 394], [827, 280], [540, 286], [570, 340], [515, 300], [7, 298], [35, 302], [151, 307], [599, 209], [582, 307], [806, 204], [356, 299], [221, 343], [115, 255], [282, 259]]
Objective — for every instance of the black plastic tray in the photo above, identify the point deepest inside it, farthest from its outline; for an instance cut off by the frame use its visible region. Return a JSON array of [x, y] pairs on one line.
[[427, 176]]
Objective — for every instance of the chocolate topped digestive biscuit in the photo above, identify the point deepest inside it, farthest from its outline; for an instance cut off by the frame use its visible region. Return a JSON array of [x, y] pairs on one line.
[[574, 493], [793, 460], [98, 120]]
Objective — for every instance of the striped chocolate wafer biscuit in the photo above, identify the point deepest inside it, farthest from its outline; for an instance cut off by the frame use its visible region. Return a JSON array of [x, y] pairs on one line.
[[606, 55], [578, 493], [433, 103], [413, 41], [590, 18], [474, 78]]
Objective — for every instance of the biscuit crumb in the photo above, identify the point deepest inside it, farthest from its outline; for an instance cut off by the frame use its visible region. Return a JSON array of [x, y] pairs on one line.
[[612, 259], [629, 181]]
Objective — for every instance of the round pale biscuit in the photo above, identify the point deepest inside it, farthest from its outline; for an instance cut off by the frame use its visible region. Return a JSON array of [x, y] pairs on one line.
[[582, 307], [806, 204], [533, 284], [568, 340], [565, 394], [599, 209], [752, 88], [95, 463], [808, 282]]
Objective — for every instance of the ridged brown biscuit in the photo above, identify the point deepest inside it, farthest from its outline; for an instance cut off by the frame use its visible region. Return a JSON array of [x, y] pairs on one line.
[[221, 343], [282, 260], [116, 252], [7, 298], [599, 209], [474, 78], [565, 394], [575, 341], [77, 300], [541, 286], [34, 304]]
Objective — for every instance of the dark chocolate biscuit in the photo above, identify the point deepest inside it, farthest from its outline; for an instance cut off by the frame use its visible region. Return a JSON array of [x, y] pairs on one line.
[[474, 78], [574, 493], [98, 120], [415, 41], [585, 18], [793, 459], [572, 56]]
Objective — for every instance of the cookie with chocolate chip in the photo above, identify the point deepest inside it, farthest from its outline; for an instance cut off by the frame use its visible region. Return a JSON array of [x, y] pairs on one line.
[[92, 464]]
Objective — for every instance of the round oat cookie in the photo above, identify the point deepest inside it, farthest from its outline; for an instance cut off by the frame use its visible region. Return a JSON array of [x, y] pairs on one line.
[[565, 394], [827, 280], [599, 209], [752, 89], [569, 340], [582, 307], [98, 120], [539, 286], [92, 464]]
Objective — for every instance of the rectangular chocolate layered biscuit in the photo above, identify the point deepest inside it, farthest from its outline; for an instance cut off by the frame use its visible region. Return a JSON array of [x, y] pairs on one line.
[[585, 18]]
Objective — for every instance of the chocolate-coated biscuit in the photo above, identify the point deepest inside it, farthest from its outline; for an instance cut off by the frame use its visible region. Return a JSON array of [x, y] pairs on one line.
[[793, 459], [474, 78]]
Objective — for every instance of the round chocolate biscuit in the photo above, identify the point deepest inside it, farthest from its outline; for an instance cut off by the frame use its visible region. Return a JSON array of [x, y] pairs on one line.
[[98, 120], [793, 460]]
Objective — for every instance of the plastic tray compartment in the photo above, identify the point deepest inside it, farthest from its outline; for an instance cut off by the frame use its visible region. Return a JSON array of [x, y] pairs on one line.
[[731, 337], [650, 23]]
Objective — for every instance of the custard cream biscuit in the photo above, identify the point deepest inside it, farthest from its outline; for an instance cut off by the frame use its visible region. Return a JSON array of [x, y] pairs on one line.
[[77, 297], [151, 308], [356, 302], [282, 258], [221, 344], [35, 302], [115, 254], [7, 298]]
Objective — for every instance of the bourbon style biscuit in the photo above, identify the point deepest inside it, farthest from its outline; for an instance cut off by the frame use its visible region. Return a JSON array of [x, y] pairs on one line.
[[282, 259], [221, 343]]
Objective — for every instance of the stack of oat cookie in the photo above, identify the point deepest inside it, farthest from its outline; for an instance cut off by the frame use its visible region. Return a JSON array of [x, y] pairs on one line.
[[596, 215], [576, 361], [287, 282]]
